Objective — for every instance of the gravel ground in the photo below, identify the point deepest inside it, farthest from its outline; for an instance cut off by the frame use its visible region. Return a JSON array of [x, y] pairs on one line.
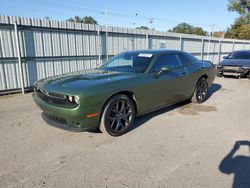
[[180, 146]]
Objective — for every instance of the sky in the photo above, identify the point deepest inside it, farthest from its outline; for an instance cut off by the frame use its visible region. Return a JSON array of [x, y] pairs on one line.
[[158, 14]]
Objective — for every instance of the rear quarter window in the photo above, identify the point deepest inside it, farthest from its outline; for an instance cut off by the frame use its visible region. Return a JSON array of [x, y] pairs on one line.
[[187, 58]]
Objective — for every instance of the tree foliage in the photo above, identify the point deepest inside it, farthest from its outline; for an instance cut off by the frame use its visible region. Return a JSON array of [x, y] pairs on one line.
[[85, 20], [188, 29], [240, 29], [240, 6], [142, 27]]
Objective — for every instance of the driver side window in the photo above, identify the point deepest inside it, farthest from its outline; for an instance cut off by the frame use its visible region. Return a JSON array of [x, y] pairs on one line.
[[170, 60]]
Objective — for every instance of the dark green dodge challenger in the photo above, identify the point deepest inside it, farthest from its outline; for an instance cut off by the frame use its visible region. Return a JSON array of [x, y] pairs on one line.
[[128, 85]]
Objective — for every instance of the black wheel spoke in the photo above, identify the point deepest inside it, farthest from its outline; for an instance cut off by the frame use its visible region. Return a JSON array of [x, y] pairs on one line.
[[120, 115], [113, 123], [122, 106], [118, 125], [202, 90]]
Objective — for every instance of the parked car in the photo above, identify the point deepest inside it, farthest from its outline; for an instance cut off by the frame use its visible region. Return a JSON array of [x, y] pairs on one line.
[[235, 64], [128, 85]]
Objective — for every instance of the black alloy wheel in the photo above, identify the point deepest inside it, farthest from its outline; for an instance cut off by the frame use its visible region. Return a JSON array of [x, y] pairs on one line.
[[118, 115], [201, 91]]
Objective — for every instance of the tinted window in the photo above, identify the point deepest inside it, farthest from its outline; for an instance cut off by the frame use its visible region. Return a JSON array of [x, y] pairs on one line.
[[167, 60], [129, 62], [191, 57], [184, 59], [239, 55]]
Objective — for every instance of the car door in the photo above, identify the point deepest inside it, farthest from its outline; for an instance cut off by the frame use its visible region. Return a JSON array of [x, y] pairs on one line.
[[168, 87]]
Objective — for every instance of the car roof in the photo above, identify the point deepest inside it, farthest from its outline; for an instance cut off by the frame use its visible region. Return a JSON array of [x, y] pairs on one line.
[[154, 51], [241, 51]]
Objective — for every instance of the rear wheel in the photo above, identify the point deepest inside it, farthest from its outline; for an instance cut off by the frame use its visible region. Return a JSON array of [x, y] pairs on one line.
[[201, 91], [118, 115]]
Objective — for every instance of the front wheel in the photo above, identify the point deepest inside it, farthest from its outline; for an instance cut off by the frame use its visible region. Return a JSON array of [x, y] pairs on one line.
[[201, 91], [118, 115]]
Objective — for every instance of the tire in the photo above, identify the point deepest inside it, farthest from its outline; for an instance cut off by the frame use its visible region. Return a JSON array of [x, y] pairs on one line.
[[118, 115], [201, 91], [218, 74]]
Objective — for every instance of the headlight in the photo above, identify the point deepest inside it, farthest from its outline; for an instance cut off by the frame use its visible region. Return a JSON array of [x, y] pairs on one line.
[[77, 100], [245, 68], [73, 99]]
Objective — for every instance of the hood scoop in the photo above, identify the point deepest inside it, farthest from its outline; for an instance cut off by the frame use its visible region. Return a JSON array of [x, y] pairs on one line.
[[95, 76]]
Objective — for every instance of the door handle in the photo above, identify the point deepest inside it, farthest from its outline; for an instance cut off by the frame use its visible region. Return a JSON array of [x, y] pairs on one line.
[[184, 73]]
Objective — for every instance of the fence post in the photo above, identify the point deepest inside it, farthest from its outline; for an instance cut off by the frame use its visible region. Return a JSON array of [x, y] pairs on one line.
[[107, 45], [233, 46], [202, 49], [147, 41], [181, 45], [99, 46], [219, 52], [19, 57], [208, 48]]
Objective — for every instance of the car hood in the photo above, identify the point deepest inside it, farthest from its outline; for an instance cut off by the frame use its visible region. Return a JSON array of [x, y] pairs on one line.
[[236, 62], [81, 80]]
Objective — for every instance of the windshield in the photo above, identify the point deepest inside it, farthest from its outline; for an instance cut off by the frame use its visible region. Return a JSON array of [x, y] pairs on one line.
[[129, 62], [239, 55]]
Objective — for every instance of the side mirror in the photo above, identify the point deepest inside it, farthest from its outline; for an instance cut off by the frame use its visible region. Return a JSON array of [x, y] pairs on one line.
[[163, 70]]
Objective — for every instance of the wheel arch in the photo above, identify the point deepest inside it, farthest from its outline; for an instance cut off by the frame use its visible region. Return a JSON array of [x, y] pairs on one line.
[[203, 76], [129, 94]]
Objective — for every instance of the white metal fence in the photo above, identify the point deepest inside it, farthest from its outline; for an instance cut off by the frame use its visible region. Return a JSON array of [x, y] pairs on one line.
[[40, 48]]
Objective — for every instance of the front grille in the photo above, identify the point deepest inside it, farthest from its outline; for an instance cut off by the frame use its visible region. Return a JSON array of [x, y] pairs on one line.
[[56, 119], [231, 68], [54, 98], [51, 99]]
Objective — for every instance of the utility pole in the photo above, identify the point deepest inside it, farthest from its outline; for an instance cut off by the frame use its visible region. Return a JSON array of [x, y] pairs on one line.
[[209, 41], [106, 18]]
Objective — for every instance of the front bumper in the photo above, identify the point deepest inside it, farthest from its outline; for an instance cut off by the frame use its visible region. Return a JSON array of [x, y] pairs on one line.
[[74, 119], [232, 71]]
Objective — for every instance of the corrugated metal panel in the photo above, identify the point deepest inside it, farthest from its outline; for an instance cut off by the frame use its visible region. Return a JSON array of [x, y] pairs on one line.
[[56, 41], [38, 43], [239, 46], [8, 46], [47, 44], [226, 46], [72, 44], [192, 45], [64, 44], [79, 45]]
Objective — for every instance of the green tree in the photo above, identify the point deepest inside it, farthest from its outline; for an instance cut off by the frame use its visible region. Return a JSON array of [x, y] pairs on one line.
[[89, 20], [240, 6], [142, 27], [199, 31], [241, 24], [85, 20], [188, 29]]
